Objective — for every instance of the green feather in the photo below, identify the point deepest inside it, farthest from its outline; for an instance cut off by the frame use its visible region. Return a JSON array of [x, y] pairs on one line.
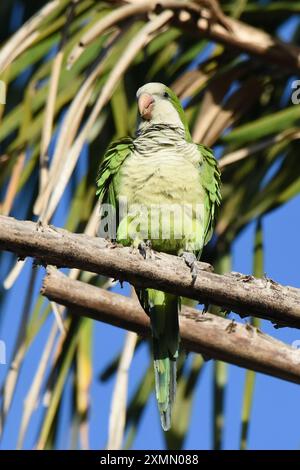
[[163, 310], [177, 105], [107, 178], [211, 182]]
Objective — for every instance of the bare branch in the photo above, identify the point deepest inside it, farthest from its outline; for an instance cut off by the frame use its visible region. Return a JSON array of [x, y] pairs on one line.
[[205, 18], [243, 37], [209, 334], [243, 294]]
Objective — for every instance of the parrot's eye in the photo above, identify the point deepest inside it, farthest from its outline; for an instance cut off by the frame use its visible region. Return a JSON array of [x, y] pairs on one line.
[[166, 94]]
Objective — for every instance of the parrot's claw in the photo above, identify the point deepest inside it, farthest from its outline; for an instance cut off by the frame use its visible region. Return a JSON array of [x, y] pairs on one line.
[[191, 261], [42, 226], [231, 327], [145, 249], [39, 226]]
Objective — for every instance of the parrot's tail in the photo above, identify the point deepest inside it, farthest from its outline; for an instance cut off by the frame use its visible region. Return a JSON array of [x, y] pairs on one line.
[[163, 311]]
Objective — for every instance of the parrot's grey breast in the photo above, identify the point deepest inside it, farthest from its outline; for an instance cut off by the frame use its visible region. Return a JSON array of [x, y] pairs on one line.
[[163, 168]]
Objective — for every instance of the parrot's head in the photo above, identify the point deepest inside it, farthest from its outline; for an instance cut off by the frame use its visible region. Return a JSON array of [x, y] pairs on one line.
[[158, 104]]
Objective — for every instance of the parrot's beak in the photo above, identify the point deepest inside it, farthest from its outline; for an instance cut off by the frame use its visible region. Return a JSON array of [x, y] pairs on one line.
[[145, 104]]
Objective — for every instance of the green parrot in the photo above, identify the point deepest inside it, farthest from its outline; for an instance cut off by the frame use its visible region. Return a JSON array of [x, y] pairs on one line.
[[163, 191]]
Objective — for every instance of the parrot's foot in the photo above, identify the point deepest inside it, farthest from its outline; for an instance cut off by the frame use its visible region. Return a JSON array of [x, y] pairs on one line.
[[145, 249], [191, 261], [39, 226], [205, 309], [231, 327]]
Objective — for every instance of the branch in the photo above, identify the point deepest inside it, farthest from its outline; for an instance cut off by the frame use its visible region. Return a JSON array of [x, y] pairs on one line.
[[242, 294], [205, 18], [209, 334], [249, 39], [212, 23], [199, 18]]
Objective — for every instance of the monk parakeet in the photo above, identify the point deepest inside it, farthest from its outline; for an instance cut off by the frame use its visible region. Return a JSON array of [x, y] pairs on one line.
[[164, 190]]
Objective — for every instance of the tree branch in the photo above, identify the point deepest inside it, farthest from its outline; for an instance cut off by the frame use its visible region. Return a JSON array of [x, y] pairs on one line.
[[209, 334], [239, 293], [249, 39], [205, 18]]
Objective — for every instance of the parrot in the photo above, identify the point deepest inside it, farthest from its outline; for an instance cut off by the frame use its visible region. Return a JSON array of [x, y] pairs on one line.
[[141, 178]]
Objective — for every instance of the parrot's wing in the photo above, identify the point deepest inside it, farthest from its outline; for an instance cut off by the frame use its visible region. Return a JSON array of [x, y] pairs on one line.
[[210, 180], [107, 179]]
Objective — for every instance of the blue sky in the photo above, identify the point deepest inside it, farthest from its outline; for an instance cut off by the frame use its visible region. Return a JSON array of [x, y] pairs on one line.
[[276, 412]]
